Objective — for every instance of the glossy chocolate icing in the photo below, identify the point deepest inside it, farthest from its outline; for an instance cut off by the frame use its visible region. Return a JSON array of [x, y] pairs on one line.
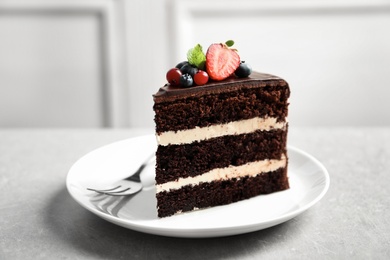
[[169, 93]]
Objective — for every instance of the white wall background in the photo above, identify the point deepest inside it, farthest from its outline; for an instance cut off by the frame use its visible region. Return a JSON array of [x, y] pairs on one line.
[[96, 63]]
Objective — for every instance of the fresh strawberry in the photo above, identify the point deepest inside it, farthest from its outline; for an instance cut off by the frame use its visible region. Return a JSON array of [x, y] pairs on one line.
[[221, 61]]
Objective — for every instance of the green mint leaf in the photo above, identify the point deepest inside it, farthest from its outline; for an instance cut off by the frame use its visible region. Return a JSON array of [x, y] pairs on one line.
[[229, 43], [196, 57]]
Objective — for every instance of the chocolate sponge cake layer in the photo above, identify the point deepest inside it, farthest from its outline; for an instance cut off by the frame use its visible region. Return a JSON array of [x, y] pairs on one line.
[[221, 142], [217, 193], [188, 160], [217, 108]]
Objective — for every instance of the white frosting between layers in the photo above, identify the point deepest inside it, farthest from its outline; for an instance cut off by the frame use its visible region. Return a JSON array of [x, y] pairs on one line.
[[231, 128], [219, 174]]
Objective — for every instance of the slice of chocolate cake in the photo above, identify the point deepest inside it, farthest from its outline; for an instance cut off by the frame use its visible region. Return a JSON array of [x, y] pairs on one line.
[[221, 142]]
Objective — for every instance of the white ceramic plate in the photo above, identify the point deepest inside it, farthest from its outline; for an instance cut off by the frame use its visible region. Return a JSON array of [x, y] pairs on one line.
[[309, 181]]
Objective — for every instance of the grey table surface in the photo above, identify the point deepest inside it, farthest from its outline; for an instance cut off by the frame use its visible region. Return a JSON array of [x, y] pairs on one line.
[[40, 220]]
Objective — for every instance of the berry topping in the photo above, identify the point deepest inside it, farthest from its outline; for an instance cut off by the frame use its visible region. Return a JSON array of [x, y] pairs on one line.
[[244, 70], [173, 76], [181, 64], [221, 61], [189, 69], [201, 78], [186, 80]]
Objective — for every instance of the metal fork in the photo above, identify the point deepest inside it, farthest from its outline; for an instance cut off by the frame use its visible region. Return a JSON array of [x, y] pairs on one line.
[[128, 186]]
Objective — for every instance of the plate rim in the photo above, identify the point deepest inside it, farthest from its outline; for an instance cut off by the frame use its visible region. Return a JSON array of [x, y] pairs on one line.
[[205, 231]]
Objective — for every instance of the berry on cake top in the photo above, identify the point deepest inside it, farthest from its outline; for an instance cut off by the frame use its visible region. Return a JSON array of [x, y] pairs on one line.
[[220, 62]]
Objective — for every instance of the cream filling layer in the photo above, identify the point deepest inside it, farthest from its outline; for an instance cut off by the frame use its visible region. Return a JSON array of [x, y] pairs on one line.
[[219, 174], [231, 128]]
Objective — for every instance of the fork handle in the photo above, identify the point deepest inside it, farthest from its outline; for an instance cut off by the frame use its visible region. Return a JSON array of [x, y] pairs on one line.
[[136, 176]]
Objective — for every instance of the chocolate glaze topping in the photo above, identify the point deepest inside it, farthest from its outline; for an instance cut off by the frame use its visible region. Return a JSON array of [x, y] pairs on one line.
[[169, 93]]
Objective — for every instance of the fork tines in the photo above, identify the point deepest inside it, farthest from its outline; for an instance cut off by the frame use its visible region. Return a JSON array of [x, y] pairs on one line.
[[113, 191]]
